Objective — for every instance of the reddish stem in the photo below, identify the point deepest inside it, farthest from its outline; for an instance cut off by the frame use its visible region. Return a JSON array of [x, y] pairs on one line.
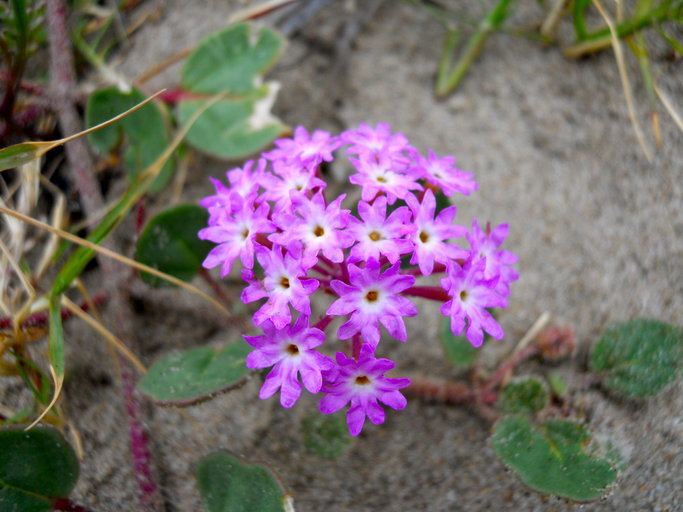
[[139, 441], [441, 391], [140, 216], [508, 365], [428, 292], [66, 505], [215, 286], [356, 344], [323, 323]]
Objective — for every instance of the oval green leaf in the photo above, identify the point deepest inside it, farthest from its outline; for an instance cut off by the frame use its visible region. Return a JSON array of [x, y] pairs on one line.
[[459, 351], [551, 457], [169, 243], [639, 357], [37, 467], [326, 434], [195, 375], [526, 395], [146, 129], [231, 60], [233, 128], [228, 484]]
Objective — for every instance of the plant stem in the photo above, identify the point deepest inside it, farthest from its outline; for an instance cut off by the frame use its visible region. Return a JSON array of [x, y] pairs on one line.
[[63, 81], [66, 505], [63, 85], [455, 393], [508, 365], [601, 39], [474, 46], [428, 292], [215, 287]]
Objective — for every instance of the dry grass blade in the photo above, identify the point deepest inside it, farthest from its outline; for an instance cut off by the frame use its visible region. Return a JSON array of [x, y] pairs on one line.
[[17, 269], [59, 381], [258, 10], [118, 257], [161, 66], [549, 26], [621, 65], [57, 221], [117, 343], [669, 106]]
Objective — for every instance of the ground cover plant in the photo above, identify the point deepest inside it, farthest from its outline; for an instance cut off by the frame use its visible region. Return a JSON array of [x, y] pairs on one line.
[[340, 233]]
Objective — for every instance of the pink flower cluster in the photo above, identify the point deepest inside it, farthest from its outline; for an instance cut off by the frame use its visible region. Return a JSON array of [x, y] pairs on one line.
[[276, 212]]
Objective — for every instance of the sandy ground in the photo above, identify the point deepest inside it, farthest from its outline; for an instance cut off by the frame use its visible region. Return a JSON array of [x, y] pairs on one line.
[[597, 228]]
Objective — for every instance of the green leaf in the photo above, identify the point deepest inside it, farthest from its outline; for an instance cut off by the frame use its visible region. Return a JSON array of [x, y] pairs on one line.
[[557, 384], [36, 468], [551, 457], [82, 255], [231, 60], [459, 350], [233, 128], [228, 484], [192, 376], [169, 243], [638, 357], [20, 154], [326, 434], [146, 130], [526, 395]]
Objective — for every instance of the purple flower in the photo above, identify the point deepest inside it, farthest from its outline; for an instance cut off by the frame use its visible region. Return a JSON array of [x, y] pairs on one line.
[[441, 172], [282, 284], [484, 245], [317, 227], [376, 175], [369, 143], [372, 298], [431, 233], [310, 150], [377, 235], [362, 384], [235, 233], [290, 352], [470, 295], [289, 180], [244, 181]]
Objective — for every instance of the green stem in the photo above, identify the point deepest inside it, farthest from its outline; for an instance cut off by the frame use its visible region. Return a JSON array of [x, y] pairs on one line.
[[601, 39], [663, 12], [473, 48]]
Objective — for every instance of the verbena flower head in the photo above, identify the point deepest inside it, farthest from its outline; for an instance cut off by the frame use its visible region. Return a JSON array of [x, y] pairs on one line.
[[280, 211], [290, 351], [372, 298], [362, 384]]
